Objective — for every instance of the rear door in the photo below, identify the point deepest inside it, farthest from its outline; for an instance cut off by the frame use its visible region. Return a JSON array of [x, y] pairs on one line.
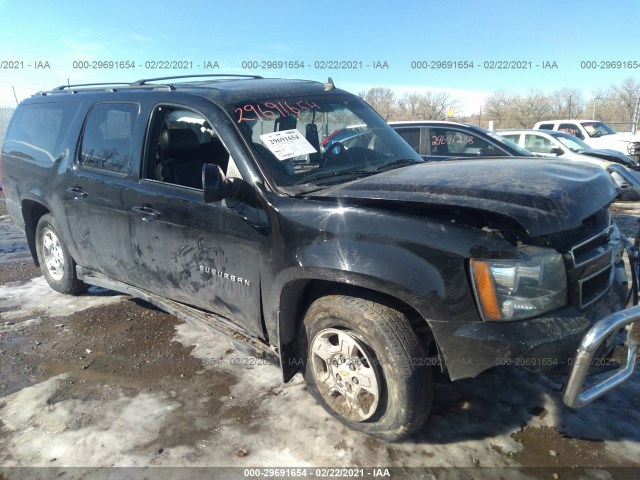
[[106, 164]]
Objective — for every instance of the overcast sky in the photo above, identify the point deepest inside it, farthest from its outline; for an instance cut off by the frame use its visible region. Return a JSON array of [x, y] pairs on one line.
[[366, 33]]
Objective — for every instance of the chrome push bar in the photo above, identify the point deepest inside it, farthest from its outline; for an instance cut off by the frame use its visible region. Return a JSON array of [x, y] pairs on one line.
[[575, 393], [574, 396]]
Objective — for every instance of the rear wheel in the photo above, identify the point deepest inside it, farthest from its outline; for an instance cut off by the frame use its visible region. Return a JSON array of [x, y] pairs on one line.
[[366, 366], [57, 265]]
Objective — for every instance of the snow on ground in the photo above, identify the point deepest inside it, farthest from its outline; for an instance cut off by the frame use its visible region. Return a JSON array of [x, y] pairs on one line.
[[35, 299], [13, 247], [87, 432]]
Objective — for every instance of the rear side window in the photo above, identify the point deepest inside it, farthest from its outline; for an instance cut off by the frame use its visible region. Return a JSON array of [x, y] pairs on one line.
[[571, 129], [411, 136], [37, 131], [546, 126], [457, 143], [107, 137], [514, 137], [537, 144]]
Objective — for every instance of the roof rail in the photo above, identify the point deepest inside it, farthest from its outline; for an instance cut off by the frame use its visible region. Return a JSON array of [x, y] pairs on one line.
[[106, 87], [64, 87], [145, 80]]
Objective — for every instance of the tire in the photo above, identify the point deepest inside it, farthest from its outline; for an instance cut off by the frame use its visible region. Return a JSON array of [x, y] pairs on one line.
[[365, 365], [57, 265]]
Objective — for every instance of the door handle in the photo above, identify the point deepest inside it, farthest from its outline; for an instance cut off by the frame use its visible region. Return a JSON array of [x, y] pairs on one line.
[[78, 192], [147, 212]]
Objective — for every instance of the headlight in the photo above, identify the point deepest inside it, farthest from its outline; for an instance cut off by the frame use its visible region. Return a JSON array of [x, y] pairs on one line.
[[525, 287], [633, 148]]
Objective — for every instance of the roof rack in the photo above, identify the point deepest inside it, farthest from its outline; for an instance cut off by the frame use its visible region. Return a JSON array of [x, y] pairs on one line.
[[145, 80], [107, 87], [64, 87], [142, 83]]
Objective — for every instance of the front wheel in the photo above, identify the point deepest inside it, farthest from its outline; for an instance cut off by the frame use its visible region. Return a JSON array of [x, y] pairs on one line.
[[366, 366], [57, 265]]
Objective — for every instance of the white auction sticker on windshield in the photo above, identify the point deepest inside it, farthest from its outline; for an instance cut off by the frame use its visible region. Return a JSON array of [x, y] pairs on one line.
[[287, 144]]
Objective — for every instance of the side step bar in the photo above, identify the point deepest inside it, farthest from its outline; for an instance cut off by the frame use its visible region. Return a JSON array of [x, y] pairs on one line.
[[243, 341]]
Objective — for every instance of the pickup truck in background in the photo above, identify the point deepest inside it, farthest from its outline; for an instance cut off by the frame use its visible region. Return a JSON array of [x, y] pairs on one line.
[[596, 134], [364, 268]]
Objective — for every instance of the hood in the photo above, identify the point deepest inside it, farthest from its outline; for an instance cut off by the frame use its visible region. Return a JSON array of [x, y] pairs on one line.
[[610, 155], [544, 196], [626, 137]]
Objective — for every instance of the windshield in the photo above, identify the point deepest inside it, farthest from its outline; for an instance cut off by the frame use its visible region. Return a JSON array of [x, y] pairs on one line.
[[597, 129], [573, 143], [307, 143]]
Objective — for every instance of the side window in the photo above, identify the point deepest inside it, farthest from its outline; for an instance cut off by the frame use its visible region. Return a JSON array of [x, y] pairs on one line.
[[514, 137], [411, 136], [182, 141], [457, 143], [537, 144], [571, 129], [107, 137], [37, 131], [546, 126]]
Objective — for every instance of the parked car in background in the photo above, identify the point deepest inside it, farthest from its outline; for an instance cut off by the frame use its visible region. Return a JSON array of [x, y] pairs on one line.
[[438, 140], [564, 145], [595, 134]]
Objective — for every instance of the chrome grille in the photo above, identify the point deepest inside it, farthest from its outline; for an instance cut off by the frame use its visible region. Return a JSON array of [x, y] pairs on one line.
[[595, 286], [592, 248], [593, 265]]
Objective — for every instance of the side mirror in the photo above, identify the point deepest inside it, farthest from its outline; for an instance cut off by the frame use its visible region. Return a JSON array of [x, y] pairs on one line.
[[213, 183], [556, 151]]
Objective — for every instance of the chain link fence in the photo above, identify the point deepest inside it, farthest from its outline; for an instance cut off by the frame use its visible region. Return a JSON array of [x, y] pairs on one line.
[[5, 116]]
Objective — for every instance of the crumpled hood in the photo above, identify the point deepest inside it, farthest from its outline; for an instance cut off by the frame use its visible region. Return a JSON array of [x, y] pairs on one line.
[[610, 155], [544, 196]]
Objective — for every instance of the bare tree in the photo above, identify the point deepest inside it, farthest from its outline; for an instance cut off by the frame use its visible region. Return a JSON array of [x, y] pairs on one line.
[[382, 99], [627, 95], [435, 105], [499, 107], [409, 106], [531, 109], [566, 103]]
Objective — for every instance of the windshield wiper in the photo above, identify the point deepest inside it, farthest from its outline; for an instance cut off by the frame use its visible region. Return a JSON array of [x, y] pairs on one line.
[[338, 173], [399, 161]]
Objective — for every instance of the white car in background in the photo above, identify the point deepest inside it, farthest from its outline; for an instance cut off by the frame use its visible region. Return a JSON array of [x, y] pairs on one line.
[[552, 143], [596, 134]]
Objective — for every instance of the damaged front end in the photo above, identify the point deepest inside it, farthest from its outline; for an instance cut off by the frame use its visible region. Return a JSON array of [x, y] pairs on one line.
[[578, 390], [557, 308]]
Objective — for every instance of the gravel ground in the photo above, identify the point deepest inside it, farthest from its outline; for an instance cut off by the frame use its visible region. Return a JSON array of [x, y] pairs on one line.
[[102, 380]]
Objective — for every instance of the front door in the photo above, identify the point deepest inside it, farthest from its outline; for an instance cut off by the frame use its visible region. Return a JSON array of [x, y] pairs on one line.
[[205, 255]]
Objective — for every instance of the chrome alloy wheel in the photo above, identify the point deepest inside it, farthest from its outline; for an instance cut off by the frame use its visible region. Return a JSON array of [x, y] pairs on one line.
[[53, 254], [345, 374]]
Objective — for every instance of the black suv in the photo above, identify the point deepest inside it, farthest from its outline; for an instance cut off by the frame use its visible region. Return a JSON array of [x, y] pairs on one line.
[[364, 267]]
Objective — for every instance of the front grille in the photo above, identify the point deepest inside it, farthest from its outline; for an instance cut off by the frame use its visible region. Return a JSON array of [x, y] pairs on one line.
[[592, 270], [585, 252], [594, 287]]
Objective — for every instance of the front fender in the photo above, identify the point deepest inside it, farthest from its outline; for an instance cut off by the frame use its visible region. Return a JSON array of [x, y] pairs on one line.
[[434, 287]]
